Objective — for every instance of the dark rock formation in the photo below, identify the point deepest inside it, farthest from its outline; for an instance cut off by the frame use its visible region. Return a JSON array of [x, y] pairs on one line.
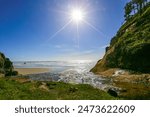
[[106, 49], [112, 92], [6, 66]]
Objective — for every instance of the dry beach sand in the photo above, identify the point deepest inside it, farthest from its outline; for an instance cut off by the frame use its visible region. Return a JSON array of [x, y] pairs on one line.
[[25, 71]]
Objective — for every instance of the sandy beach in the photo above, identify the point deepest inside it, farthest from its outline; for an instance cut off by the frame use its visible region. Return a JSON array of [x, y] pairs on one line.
[[25, 71]]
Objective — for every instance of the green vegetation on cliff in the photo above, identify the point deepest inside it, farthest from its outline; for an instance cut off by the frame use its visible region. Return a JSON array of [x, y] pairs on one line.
[[130, 48], [6, 66]]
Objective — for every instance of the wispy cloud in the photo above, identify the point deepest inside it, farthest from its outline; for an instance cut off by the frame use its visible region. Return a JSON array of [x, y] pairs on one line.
[[88, 52], [58, 46]]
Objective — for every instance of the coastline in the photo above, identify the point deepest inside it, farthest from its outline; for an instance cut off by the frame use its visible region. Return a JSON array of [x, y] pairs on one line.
[[26, 71], [121, 75], [134, 85], [124, 82]]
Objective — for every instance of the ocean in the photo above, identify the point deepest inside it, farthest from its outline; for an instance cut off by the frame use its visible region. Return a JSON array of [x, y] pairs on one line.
[[56, 66]]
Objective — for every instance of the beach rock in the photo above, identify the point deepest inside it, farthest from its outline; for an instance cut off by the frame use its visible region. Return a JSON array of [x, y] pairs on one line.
[[43, 87], [112, 92], [44, 83], [119, 72], [123, 90], [2, 75]]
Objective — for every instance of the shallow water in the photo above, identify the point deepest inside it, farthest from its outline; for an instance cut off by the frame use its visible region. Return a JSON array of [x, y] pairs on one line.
[[76, 72], [73, 76]]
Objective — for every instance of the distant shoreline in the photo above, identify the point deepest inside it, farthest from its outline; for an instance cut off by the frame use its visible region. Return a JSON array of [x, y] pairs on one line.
[[26, 71]]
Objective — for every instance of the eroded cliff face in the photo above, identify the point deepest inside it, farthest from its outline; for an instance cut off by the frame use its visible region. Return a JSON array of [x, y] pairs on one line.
[[130, 48], [6, 66]]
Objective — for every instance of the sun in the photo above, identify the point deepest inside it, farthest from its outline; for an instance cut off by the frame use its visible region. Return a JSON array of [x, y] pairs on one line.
[[77, 15]]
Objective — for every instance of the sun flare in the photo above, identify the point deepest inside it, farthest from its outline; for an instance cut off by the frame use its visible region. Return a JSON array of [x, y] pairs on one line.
[[77, 15]]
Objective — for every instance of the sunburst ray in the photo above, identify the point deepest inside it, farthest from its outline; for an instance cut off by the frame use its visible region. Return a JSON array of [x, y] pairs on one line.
[[93, 27], [61, 29]]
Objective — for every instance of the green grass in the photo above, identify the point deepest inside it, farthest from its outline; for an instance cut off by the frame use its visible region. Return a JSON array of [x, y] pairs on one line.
[[13, 90]]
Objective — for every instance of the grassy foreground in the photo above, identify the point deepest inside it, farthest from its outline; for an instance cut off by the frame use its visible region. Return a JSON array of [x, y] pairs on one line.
[[23, 89]]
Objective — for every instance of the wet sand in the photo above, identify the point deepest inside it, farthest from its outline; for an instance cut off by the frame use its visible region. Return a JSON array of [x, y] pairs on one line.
[[25, 71]]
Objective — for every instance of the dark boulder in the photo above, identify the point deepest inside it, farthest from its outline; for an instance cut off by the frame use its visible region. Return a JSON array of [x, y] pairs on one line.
[[112, 92]]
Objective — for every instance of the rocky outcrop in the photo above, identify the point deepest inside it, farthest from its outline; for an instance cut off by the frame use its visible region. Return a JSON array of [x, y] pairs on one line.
[[130, 48], [6, 66]]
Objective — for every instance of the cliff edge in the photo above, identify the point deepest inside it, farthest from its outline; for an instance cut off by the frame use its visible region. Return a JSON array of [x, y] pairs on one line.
[[130, 48]]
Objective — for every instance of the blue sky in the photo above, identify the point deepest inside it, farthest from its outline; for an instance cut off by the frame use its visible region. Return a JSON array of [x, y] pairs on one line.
[[28, 28]]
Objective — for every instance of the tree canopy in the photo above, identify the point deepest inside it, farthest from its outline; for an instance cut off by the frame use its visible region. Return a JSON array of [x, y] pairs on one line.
[[134, 6]]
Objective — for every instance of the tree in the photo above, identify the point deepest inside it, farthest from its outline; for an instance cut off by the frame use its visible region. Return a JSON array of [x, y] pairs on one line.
[[139, 4], [136, 4], [145, 2], [128, 9]]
